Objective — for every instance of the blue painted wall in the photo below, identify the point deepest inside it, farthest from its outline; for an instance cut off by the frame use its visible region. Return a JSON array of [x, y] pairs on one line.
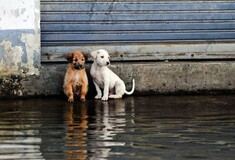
[[140, 30], [94, 22]]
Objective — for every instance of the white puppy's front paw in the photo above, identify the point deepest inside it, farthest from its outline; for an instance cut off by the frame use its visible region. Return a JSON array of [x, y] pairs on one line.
[[104, 98], [98, 96]]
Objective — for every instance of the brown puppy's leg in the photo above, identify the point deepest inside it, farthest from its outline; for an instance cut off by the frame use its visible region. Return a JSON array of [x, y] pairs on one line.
[[68, 90], [83, 93]]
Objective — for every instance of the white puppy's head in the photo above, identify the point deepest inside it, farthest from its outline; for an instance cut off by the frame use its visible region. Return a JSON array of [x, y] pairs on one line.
[[101, 57]]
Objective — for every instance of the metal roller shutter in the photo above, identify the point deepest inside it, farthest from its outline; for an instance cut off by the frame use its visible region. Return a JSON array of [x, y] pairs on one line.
[[107, 22]]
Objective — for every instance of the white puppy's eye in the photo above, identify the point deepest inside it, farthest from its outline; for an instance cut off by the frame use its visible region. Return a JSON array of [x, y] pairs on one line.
[[101, 56]]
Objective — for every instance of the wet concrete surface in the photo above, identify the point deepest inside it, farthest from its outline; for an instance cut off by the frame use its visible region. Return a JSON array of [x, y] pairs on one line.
[[151, 127]]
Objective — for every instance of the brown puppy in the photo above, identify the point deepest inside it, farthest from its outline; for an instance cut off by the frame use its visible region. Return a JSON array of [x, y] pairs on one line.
[[75, 80]]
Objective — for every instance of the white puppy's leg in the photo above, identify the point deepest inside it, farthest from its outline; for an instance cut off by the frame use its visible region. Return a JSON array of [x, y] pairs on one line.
[[119, 90], [99, 93], [106, 91]]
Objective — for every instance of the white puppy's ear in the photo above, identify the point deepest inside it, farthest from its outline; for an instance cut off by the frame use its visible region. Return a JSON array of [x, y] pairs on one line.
[[94, 54]]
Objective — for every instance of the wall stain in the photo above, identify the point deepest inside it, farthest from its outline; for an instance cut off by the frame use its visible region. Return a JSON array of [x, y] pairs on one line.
[[10, 86]]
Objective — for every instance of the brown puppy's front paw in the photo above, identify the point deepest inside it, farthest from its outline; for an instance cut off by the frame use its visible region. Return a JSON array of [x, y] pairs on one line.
[[83, 99], [70, 100]]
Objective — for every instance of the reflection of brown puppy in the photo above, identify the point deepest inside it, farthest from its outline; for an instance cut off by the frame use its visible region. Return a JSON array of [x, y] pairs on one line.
[[76, 119], [75, 80]]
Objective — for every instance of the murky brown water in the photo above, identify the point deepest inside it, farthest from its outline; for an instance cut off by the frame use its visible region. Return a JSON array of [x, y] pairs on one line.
[[157, 127]]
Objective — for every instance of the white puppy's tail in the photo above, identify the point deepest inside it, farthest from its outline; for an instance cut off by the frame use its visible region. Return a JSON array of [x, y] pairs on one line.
[[133, 88]]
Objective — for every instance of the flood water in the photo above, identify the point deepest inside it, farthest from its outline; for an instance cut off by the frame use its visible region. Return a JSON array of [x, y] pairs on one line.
[[155, 127]]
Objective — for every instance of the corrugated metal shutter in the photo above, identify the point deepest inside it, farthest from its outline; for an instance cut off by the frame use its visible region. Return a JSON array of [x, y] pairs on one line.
[[92, 22]]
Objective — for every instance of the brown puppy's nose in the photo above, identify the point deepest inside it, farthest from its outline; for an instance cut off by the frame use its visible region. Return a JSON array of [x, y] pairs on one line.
[[78, 67]]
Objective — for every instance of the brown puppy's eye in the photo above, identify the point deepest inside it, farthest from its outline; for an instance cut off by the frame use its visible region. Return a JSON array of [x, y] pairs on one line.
[[75, 60], [101, 56], [83, 59]]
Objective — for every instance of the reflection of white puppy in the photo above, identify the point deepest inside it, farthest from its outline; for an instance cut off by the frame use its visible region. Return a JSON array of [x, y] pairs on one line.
[[104, 78]]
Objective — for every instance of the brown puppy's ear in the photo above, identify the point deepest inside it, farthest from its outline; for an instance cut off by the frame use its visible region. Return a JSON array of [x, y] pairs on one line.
[[69, 57], [85, 56]]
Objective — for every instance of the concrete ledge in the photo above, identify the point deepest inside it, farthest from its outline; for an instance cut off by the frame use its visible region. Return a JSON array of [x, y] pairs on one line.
[[151, 78]]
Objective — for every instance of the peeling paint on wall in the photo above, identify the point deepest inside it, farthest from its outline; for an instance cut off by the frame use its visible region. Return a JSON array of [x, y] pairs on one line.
[[20, 37], [19, 53], [19, 45], [11, 57], [32, 46]]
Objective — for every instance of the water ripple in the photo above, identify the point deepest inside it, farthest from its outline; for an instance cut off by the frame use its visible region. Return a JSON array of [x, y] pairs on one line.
[[160, 127]]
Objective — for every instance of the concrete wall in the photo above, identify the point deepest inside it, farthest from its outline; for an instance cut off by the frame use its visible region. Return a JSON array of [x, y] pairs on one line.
[[151, 78]]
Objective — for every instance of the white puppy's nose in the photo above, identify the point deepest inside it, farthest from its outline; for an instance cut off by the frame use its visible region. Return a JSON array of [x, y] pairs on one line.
[[108, 63]]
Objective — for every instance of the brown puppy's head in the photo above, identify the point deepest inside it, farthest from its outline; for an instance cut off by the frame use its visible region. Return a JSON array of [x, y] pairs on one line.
[[77, 59]]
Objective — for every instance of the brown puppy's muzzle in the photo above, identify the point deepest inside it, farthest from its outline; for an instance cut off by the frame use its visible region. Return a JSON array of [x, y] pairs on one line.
[[78, 66]]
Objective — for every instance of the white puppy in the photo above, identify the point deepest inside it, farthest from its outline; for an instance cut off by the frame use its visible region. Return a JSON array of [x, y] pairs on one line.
[[104, 78]]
